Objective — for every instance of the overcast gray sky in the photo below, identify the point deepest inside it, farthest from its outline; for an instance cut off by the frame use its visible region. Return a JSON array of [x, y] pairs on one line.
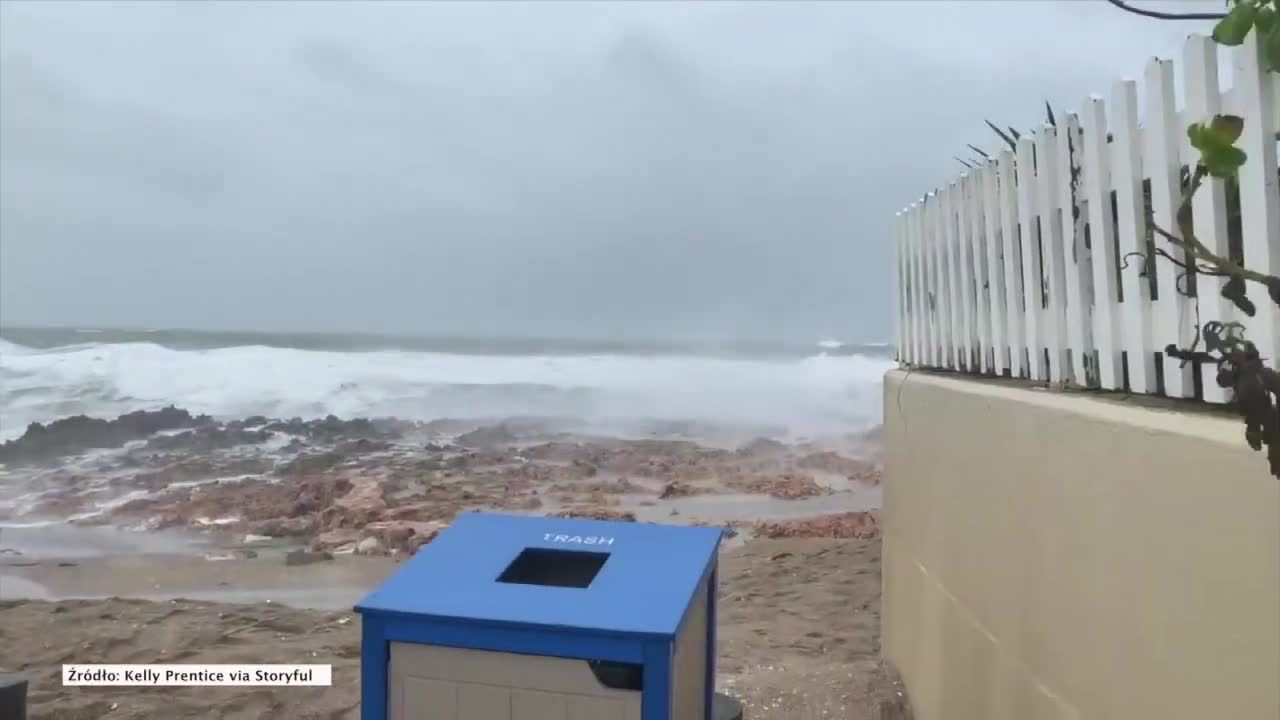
[[653, 170]]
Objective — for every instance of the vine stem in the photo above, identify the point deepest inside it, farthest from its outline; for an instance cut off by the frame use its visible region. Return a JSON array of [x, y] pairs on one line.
[[1197, 250], [1166, 15]]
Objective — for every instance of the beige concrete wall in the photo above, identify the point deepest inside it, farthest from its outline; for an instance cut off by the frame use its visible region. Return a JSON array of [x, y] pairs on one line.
[[1052, 556]]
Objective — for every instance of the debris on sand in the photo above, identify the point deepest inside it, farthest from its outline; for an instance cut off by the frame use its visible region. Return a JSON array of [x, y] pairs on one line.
[[786, 486], [861, 525], [596, 514]]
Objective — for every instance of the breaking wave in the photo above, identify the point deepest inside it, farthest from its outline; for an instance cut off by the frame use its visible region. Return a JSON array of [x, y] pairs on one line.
[[820, 394]]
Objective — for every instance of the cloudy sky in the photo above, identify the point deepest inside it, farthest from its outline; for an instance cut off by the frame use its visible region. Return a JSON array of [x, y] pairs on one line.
[[658, 170]]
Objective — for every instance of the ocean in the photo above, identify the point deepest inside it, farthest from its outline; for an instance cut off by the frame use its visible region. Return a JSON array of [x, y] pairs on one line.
[[796, 390]]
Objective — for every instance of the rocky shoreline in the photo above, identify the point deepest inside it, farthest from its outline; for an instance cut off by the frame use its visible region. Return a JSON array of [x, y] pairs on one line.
[[387, 486], [286, 514]]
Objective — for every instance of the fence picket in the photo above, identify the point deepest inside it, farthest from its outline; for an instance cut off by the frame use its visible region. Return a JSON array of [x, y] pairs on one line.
[[931, 300], [1029, 239], [978, 270], [964, 271], [1131, 225], [945, 339], [922, 308], [1209, 207], [1172, 311], [1053, 315], [899, 256], [946, 232], [1259, 188], [1012, 265], [995, 269], [1101, 234], [1075, 260]]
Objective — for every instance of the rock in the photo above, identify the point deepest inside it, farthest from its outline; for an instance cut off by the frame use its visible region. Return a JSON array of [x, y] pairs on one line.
[[597, 514], [676, 489], [363, 504], [334, 539], [252, 539], [404, 535], [207, 439], [419, 511], [361, 447], [310, 463], [763, 447], [253, 421], [370, 546], [487, 437], [194, 469], [284, 527], [76, 434], [786, 486], [331, 429], [835, 464], [862, 525], [306, 557]]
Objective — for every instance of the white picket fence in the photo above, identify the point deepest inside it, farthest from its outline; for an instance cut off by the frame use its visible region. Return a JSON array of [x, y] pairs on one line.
[[1018, 267]]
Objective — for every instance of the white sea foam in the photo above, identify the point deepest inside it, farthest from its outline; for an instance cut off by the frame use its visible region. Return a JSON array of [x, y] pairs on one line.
[[819, 394]]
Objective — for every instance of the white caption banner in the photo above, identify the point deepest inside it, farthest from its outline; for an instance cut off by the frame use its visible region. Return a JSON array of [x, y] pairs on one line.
[[186, 675]]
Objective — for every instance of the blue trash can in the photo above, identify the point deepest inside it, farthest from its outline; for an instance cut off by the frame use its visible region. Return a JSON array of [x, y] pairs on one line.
[[511, 617]]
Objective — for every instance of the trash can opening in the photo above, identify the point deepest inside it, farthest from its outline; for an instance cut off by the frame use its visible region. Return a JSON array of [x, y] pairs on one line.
[[554, 568]]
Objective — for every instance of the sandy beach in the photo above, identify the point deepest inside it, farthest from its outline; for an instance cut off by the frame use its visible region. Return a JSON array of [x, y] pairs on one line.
[[172, 537], [798, 639]]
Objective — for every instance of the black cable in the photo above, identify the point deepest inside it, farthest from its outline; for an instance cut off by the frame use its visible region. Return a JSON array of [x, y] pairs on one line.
[[1166, 15]]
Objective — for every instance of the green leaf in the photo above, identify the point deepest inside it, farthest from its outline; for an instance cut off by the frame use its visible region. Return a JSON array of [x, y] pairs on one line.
[[1195, 133], [1232, 29], [1224, 162], [1265, 20], [1226, 129], [1218, 135], [1271, 48]]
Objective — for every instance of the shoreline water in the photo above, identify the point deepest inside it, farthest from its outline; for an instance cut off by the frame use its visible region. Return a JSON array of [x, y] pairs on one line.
[[820, 392], [48, 338]]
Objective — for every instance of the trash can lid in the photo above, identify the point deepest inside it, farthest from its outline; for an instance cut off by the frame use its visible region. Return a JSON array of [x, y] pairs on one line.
[[618, 577]]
